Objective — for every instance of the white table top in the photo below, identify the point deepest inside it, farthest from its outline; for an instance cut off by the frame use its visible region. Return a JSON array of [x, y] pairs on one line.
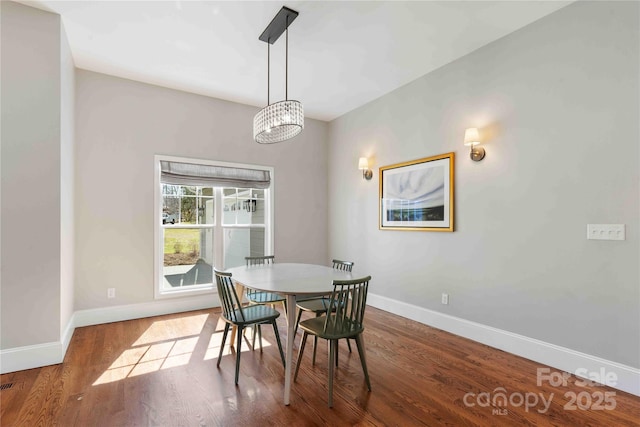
[[289, 278]]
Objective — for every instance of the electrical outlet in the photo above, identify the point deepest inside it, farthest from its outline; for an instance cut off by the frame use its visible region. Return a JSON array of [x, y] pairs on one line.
[[111, 293], [605, 231], [445, 299]]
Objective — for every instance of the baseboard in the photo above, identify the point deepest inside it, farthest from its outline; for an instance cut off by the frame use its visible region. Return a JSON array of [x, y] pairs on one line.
[[30, 356], [67, 334], [36, 356], [119, 313], [562, 358]]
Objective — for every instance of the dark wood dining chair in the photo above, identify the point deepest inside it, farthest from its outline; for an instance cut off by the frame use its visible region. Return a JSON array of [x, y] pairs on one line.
[[343, 319], [234, 314], [319, 305]]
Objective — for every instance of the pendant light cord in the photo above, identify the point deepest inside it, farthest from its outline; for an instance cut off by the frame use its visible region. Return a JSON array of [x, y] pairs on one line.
[[286, 66], [286, 62]]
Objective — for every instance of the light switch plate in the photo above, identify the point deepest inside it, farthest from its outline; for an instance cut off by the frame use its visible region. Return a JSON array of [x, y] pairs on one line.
[[605, 232]]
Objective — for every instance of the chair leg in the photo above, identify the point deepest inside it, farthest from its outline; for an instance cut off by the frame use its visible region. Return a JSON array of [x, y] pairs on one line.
[[277, 334], [332, 355], [238, 352], [315, 344], [253, 337], [363, 359], [298, 320], [224, 338], [302, 343]]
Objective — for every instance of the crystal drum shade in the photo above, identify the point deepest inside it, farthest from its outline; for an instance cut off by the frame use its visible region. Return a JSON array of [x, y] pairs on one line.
[[278, 122]]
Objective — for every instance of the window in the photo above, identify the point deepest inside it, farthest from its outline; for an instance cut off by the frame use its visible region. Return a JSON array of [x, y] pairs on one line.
[[208, 214]]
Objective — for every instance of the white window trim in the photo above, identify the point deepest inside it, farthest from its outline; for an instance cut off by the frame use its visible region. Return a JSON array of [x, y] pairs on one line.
[[158, 246]]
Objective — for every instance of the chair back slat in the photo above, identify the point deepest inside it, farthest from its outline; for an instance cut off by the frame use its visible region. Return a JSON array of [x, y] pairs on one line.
[[347, 303], [342, 265], [231, 307], [259, 260]]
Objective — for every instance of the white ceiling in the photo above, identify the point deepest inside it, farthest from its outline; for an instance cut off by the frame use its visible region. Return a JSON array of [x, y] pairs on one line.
[[341, 54]]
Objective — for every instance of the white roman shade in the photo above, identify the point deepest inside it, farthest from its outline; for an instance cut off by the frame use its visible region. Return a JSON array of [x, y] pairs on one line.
[[178, 173]]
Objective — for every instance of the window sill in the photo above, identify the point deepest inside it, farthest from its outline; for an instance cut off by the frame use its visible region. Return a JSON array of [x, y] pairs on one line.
[[186, 292]]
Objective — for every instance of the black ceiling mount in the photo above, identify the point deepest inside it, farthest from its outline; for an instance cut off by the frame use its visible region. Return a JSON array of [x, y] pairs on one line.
[[278, 25]]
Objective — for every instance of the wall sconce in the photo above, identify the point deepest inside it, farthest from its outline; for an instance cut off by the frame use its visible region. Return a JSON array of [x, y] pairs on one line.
[[363, 165], [472, 138]]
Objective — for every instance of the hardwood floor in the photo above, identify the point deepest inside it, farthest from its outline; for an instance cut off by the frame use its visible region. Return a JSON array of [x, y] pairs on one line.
[[161, 371]]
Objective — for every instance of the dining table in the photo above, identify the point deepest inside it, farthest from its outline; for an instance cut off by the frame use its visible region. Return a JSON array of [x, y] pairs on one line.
[[291, 280]]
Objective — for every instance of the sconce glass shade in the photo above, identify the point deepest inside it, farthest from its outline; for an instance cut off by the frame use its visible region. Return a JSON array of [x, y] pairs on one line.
[[278, 122], [363, 163], [471, 137]]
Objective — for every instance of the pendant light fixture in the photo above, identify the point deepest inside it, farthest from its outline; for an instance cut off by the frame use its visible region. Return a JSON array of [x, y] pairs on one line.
[[284, 119]]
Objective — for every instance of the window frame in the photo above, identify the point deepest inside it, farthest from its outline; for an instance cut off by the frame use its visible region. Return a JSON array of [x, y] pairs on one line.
[[217, 226]]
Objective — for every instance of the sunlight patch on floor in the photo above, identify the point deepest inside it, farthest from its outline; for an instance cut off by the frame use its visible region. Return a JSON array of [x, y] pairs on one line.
[[169, 344], [163, 330], [115, 374], [145, 359], [146, 367], [213, 349]]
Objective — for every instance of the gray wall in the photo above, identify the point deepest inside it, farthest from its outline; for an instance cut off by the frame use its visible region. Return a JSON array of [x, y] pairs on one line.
[[558, 101], [37, 197], [121, 125]]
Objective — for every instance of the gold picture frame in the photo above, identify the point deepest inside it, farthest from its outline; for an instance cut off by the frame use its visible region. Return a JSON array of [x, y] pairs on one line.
[[417, 195]]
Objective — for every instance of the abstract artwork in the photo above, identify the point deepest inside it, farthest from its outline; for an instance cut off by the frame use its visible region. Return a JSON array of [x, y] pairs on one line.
[[418, 195]]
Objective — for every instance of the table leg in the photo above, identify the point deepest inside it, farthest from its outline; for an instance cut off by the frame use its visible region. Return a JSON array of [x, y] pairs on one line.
[[291, 331]]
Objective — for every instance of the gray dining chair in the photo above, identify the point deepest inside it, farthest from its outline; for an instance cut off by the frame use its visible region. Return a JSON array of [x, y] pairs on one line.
[[234, 314], [343, 319], [319, 305]]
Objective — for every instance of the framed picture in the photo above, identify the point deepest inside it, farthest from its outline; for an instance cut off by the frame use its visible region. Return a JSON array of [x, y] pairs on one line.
[[418, 195]]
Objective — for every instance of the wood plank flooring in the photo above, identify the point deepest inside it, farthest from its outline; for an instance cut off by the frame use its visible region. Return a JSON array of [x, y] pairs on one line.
[[161, 371]]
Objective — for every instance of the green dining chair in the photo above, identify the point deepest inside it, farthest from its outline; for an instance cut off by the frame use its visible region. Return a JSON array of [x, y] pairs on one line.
[[234, 314], [261, 297], [343, 319], [319, 306]]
